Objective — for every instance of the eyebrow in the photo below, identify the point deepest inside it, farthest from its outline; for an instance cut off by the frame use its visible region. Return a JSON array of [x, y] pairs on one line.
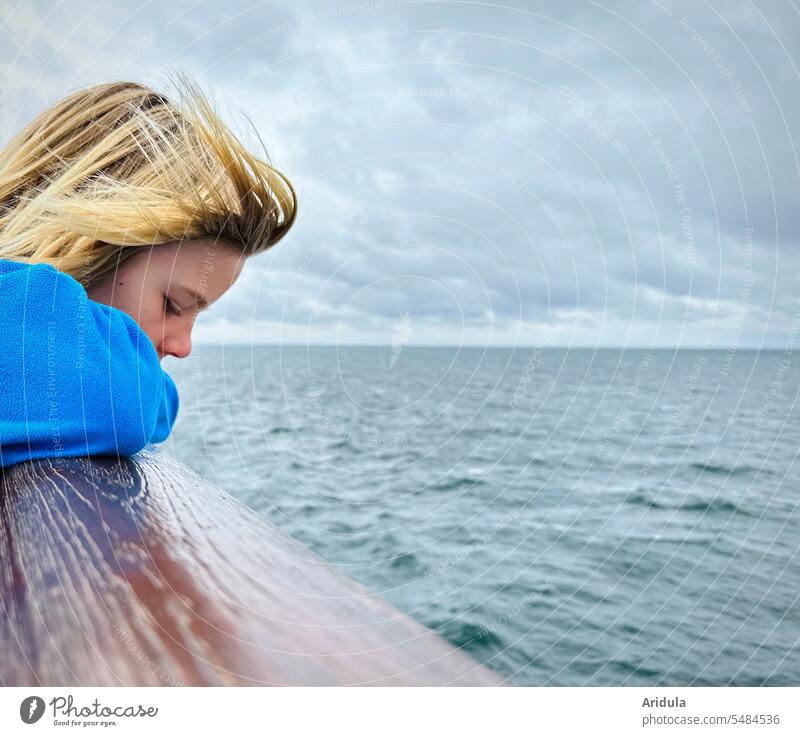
[[199, 298]]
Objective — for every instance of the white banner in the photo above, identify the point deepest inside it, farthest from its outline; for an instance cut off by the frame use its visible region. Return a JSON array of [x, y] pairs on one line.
[[400, 711]]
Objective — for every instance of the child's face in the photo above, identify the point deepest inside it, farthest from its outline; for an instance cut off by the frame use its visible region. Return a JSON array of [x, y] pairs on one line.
[[165, 286]]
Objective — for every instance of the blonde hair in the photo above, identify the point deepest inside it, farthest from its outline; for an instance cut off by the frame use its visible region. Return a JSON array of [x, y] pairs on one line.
[[118, 166]]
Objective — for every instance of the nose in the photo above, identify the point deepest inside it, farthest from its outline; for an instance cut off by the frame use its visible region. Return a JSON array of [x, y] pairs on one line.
[[178, 345]]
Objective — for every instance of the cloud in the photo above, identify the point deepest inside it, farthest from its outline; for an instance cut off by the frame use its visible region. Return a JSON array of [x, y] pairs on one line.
[[619, 174]]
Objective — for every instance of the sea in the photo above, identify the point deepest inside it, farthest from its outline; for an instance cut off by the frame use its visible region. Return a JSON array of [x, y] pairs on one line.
[[565, 516]]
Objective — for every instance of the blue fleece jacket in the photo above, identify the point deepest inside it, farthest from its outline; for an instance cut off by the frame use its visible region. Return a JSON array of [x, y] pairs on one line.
[[76, 377]]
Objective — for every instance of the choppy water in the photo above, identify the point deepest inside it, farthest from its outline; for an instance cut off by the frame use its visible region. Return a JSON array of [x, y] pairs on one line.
[[568, 517]]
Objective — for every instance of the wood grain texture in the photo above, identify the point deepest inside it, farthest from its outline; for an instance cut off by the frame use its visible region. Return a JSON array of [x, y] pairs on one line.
[[138, 572]]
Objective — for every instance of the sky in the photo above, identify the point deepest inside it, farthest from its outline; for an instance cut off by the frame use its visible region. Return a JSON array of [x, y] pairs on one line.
[[470, 173]]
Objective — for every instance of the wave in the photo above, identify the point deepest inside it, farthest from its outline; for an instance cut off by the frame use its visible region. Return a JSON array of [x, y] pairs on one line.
[[714, 505], [282, 430], [406, 562], [453, 484], [471, 637], [726, 470], [632, 667]]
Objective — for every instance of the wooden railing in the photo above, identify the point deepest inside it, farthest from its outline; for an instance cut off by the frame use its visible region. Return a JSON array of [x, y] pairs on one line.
[[138, 572]]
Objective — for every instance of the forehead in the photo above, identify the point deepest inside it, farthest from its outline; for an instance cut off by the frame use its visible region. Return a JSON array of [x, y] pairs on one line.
[[189, 256], [200, 248], [203, 267]]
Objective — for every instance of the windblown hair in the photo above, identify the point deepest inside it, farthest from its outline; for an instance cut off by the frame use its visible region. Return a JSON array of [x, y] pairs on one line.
[[118, 166]]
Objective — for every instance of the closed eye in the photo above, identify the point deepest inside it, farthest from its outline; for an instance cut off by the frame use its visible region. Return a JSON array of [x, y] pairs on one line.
[[170, 307]]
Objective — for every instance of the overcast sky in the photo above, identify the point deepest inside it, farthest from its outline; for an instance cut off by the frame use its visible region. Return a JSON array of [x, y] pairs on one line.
[[564, 173]]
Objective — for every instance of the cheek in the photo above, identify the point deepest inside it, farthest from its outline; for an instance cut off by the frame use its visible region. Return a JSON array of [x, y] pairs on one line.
[[128, 297], [151, 320]]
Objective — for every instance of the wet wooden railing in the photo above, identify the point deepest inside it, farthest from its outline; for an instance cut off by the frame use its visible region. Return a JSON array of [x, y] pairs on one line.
[[138, 572]]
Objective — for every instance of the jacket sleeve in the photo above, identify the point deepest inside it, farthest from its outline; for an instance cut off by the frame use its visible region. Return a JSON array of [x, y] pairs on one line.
[[167, 410], [79, 377]]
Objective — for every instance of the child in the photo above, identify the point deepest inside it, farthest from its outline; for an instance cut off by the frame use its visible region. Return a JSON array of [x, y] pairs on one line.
[[122, 214]]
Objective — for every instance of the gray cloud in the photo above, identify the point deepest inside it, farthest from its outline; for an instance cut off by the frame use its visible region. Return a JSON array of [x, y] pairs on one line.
[[610, 174]]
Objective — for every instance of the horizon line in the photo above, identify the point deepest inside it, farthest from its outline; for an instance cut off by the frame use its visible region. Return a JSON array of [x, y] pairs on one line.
[[519, 346]]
